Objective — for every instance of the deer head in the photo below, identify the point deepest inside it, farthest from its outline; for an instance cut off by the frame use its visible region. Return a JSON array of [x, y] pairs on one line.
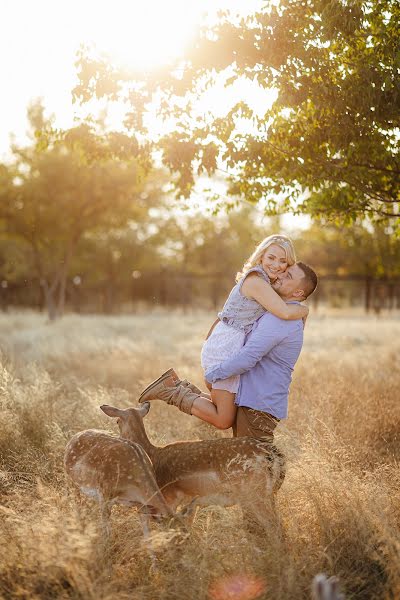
[[130, 422]]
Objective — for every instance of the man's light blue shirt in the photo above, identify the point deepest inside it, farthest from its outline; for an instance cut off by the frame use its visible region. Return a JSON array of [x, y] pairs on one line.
[[265, 364]]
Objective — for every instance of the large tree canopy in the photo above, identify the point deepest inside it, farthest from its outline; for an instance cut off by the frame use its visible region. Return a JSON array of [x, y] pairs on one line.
[[64, 186], [328, 145]]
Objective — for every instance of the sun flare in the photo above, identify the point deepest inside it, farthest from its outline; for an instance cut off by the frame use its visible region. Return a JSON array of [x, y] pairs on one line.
[[41, 41], [148, 33], [143, 34]]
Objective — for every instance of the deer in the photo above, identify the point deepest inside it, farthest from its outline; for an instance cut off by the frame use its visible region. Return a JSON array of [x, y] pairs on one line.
[[114, 470], [223, 471]]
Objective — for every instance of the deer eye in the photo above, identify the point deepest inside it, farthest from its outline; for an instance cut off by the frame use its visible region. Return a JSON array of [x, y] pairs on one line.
[[118, 420]]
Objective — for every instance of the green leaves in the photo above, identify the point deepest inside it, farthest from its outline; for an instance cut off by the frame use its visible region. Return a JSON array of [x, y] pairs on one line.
[[332, 126], [334, 66]]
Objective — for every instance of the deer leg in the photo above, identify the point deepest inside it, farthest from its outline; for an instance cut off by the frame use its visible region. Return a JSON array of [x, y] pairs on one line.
[[259, 513], [261, 517], [274, 516], [253, 520], [105, 513], [189, 511], [144, 519]]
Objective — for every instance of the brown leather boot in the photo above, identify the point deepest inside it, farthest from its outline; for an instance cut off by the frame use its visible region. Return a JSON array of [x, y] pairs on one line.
[[191, 386], [175, 377], [166, 389], [169, 378]]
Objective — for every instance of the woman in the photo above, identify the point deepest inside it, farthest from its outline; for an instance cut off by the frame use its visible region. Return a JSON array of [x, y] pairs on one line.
[[248, 300]]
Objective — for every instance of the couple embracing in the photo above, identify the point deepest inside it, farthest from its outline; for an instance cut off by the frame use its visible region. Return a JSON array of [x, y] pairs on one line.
[[251, 349]]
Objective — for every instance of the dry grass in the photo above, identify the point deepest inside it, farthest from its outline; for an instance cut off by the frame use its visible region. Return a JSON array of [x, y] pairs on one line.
[[339, 505]]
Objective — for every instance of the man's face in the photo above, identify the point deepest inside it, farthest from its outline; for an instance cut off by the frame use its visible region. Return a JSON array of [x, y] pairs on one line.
[[289, 283]]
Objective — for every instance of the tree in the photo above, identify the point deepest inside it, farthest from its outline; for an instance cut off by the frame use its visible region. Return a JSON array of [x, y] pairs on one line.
[[66, 184], [111, 263], [329, 143], [359, 253]]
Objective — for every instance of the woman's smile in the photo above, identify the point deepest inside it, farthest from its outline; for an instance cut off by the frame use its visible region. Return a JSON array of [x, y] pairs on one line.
[[274, 261]]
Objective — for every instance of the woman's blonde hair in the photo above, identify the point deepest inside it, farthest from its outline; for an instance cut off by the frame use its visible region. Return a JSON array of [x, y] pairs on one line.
[[281, 240]]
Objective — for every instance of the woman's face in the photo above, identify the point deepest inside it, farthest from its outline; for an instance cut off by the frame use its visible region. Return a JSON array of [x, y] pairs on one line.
[[274, 261]]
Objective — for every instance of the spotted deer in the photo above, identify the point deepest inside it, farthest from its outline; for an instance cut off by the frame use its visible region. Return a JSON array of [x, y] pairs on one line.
[[222, 471], [114, 470]]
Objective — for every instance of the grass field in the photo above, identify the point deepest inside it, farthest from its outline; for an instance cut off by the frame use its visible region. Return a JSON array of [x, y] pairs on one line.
[[339, 504]]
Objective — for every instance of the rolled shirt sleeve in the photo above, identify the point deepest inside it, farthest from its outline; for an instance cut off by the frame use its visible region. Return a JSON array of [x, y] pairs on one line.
[[268, 332]]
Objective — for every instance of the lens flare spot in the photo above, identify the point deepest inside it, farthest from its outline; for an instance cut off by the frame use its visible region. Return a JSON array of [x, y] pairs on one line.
[[237, 587]]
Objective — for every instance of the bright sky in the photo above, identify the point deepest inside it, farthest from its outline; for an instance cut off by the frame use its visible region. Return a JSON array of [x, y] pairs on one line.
[[38, 42]]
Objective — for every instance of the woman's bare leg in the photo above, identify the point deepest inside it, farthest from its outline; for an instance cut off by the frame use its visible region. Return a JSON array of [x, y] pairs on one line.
[[218, 410]]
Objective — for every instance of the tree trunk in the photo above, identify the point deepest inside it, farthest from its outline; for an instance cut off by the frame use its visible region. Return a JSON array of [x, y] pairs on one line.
[[61, 295], [162, 287], [63, 276], [108, 297], [49, 296], [215, 289], [367, 304], [315, 298], [390, 295], [49, 291], [187, 291]]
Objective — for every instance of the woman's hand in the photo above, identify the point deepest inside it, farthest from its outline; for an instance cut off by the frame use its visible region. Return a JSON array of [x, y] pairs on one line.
[[256, 288]]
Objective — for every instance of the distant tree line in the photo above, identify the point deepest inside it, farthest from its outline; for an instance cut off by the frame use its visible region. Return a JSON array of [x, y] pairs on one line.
[[83, 228]]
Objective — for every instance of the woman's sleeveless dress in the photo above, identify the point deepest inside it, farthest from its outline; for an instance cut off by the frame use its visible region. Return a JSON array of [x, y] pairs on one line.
[[236, 320]]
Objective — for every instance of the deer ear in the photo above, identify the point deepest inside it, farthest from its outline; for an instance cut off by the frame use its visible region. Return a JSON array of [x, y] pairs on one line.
[[144, 409], [111, 411]]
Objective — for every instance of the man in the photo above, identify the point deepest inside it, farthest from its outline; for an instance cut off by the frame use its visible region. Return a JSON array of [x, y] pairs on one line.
[[267, 360], [265, 364]]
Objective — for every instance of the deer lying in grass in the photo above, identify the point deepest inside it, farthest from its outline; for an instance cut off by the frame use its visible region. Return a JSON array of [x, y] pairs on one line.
[[222, 471], [114, 471]]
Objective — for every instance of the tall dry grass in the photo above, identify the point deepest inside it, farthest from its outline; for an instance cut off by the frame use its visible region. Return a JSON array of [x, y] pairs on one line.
[[339, 505]]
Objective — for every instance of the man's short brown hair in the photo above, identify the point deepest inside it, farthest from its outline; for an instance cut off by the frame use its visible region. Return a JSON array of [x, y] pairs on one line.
[[310, 279]]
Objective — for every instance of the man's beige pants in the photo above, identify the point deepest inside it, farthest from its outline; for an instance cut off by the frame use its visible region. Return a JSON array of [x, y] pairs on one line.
[[254, 423]]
